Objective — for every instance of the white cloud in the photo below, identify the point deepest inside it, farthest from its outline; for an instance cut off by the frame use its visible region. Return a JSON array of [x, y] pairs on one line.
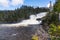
[[7, 3], [16, 2], [48, 5], [4, 3]]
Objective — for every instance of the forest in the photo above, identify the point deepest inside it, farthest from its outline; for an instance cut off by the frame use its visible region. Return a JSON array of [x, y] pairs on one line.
[[13, 16]]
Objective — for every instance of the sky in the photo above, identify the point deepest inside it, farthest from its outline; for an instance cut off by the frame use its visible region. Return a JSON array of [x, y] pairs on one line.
[[14, 4]]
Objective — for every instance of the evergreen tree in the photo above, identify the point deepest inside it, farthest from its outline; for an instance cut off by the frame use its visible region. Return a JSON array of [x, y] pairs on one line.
[[57, 6]]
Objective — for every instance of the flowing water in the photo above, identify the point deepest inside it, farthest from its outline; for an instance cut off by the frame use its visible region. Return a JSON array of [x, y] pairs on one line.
[[21, 30]]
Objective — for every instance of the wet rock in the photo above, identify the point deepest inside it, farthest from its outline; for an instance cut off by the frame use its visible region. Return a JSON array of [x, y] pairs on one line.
[[22, 33]]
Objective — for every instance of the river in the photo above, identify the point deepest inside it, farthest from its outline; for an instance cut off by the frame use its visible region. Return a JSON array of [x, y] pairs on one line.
[[21, 30]]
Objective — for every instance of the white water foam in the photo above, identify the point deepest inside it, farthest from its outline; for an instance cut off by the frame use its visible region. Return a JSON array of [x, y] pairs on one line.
[[27, 22]]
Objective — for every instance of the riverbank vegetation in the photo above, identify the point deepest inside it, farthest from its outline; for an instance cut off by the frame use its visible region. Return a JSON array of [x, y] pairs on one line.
[[52, 20], [11, 16]]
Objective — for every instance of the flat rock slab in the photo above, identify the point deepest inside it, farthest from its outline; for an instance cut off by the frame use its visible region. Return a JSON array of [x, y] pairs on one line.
[[18, 33], [14, 33]]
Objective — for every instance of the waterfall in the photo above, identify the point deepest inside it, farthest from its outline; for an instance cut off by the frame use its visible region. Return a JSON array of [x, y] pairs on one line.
[[27, 22]]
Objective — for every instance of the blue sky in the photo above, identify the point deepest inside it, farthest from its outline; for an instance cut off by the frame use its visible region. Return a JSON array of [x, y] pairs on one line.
[[13, 4]]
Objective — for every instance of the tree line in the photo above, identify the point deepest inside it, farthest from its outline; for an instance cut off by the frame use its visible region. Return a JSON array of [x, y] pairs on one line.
[[10, 16]]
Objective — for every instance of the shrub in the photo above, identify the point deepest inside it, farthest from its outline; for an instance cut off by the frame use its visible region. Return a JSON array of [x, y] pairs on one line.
[[34, 37]]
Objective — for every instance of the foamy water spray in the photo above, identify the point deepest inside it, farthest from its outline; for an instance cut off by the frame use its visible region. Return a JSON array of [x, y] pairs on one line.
[[31, 21]]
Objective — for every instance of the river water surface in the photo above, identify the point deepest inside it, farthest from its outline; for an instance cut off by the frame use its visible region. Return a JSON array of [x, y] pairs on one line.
[[17, 32]]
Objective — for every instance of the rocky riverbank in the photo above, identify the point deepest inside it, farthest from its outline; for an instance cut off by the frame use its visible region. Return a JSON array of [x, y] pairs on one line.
[[23, 33]]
